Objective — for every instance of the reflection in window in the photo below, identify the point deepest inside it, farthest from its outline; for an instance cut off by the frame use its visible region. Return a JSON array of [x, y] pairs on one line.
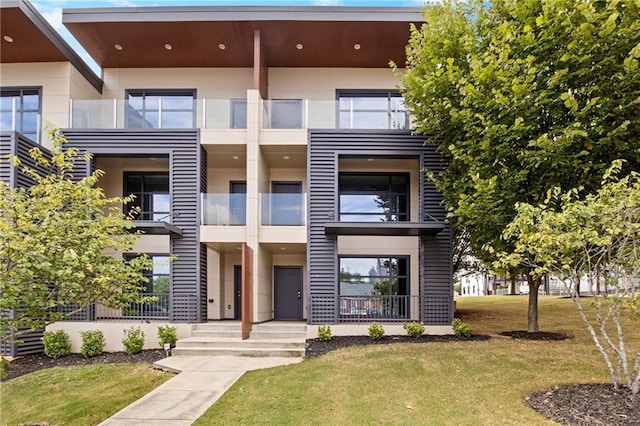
[[372, 110], [373, 276], [157, 109], [151, 192], [23, 106], [374, 197]]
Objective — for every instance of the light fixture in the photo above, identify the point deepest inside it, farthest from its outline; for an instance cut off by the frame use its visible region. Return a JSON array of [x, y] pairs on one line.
[[286, 157], [235, 157], [283, 248], [369, 159], [221, 46], [356, 46], [299, 46], [8, 38], [168, 46], [118, 46], [152, 158]]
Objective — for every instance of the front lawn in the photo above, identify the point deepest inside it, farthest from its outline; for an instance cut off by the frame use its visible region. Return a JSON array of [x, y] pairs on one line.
[[473, 383]]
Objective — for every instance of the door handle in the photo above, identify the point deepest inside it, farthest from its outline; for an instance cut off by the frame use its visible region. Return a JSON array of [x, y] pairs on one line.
[[299, 295]]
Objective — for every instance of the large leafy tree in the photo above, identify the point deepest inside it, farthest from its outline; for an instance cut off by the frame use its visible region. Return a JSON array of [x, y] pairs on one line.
[[521, 96], [60, 245]]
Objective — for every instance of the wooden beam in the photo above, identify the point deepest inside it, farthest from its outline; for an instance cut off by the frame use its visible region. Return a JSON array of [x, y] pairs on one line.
[[260, 70], [247, 290]]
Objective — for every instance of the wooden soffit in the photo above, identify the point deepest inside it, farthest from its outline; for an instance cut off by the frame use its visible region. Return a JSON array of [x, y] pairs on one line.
[[224, 36]]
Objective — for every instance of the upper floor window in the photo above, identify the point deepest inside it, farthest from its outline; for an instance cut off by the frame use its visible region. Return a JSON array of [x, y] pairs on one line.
[[20, 110], [151, 192], [160, 109], [371, 109], [374, 197]]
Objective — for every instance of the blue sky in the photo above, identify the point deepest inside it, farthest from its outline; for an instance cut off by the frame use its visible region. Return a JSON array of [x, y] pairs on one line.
[[52, 10]]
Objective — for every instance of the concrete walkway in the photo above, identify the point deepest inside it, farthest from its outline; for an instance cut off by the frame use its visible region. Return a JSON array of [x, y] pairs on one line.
[[185, 397]]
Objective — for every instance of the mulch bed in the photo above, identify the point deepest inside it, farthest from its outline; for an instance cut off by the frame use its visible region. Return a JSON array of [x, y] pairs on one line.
[[30, 363], [587, 404], [539, 335]]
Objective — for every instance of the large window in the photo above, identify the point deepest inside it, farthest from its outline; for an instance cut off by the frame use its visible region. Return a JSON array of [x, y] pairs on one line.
[[371, 110], [158, 286], [374, 197], [151, 192], [20, 111], [374, 287], [160, 109]]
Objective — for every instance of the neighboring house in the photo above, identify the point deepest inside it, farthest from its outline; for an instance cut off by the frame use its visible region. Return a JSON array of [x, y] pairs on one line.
[[268, 148], [476, 283]]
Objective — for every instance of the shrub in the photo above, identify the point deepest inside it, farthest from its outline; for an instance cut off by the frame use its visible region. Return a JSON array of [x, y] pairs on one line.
[[133, 340], [376, 331], [92, 343], [167, 334], [56, 343], [324, 333], [414, 329], [461, 329]]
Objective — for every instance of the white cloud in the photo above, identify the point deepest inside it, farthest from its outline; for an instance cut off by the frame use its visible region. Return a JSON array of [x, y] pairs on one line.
[[327, 2]]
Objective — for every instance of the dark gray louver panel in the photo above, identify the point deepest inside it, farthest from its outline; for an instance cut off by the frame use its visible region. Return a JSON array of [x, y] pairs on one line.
[[324, 149], [16, 144], [184, 151], [203, 248]]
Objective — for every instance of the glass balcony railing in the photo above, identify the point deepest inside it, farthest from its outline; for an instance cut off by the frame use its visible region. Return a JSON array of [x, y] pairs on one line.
[[283, 209], [224, 209], [121, 114], [332, 114]]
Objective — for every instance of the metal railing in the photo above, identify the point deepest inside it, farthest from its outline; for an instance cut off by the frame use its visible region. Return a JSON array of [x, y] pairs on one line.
[[283, 209], [377, 308]]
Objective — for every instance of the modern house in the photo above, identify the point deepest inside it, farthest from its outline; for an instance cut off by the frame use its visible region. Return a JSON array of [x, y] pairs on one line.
[[269, 150]]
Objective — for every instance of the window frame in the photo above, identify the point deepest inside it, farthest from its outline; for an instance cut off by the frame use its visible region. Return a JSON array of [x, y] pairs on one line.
[[370, 93], [407, 194], [142, 194], [161, 93], [20, 111]]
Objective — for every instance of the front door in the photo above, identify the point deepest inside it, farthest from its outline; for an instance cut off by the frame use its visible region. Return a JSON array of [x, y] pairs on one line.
[[288, 292], [237, 292]]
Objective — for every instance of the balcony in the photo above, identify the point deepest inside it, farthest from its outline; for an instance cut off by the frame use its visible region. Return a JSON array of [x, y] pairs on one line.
[[119, 114], [283, 209], [224, 209], [332, 114]]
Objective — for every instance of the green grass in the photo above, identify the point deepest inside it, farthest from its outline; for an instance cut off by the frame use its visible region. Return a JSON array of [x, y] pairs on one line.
[[470, 383], [84, 395]]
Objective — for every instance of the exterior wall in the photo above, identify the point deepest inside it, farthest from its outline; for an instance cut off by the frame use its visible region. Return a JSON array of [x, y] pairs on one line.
[[80, 88], [187, 178], [55, 80], [113, 332], [264, 285], [210, 83], [434, 252]]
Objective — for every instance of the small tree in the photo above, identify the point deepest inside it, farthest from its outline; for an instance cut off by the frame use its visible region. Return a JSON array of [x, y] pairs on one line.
[[596, 240], [57, 244]]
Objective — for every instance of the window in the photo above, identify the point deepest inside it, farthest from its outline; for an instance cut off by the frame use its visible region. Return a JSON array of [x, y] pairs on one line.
[[158, 109], [371, 110], [374, 197], [158, 285], [25, 104], [375, 287], [151, 192]]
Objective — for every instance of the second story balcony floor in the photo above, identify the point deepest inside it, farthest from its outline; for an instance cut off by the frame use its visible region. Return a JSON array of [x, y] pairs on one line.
[[177, 112]]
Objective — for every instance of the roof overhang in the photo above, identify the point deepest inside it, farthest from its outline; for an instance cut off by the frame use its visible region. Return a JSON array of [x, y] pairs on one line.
[[357, 37], [35, 40], [411, 229], [151, 227]]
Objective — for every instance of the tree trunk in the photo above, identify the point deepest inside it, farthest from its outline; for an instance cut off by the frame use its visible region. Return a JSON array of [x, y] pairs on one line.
[[532, 314], [512, 286]]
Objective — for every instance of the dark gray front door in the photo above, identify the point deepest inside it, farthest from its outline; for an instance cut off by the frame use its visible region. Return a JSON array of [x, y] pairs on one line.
[[237, 292], [288, 292]]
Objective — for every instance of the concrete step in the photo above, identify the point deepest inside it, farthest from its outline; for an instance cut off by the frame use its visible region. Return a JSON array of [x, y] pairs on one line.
[[226, 351], [217, 333], [218, 326], [270, 335], [280, 326], [205, 342]]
